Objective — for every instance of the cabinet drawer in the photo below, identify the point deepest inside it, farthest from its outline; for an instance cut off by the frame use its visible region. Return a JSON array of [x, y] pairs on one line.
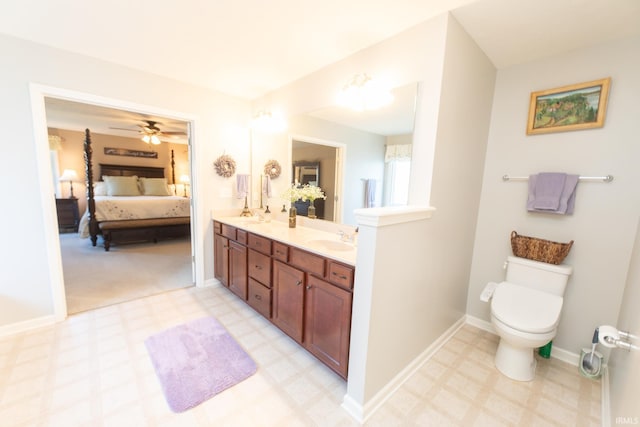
[[241, 237], [259, 298], [260, 267], [217, 227], [260, 244], [310, 263], [280, 251], [228, 231], [340, 275]]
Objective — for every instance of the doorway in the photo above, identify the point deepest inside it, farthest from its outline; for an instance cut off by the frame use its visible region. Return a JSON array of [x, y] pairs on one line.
[[327, 158], [53, 238]]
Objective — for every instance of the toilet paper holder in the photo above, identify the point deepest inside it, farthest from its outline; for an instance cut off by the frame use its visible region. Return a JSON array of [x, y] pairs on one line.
[[611, 337]]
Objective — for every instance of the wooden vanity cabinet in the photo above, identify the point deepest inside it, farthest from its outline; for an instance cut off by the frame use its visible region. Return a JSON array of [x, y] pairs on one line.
[[238, 269], [288, 299], [309, 297], [327, 323]]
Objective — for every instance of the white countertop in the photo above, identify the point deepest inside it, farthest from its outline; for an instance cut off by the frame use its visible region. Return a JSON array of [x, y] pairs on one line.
[[320, 242]]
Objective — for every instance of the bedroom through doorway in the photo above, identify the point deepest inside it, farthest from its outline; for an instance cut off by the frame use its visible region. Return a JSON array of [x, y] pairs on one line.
[[139, 267]]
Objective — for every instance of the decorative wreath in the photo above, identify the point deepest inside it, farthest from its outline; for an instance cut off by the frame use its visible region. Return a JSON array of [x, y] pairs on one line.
[[272, 168], [225, 166]]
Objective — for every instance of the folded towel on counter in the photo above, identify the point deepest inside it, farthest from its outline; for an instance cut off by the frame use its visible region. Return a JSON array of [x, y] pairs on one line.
[[242, 185], [545, 194]]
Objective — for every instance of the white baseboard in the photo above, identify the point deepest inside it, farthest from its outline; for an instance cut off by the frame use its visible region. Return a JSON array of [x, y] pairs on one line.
[[556, 352], [211, 282], [362, 412], [27, 325]]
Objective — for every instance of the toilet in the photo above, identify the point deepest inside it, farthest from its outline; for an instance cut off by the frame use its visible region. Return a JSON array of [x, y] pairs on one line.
[[525, 311]]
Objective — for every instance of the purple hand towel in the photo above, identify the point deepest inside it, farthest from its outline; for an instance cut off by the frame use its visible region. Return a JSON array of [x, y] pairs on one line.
[[548, 190], [568, 197]]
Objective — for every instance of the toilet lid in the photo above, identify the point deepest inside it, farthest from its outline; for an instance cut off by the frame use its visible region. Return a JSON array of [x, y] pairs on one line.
[[525, 309]]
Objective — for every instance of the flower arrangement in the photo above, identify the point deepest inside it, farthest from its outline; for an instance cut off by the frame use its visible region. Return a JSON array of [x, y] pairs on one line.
[[304, 193]]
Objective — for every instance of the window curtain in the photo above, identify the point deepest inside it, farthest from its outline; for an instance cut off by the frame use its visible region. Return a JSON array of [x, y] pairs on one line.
[[397, 152], [397, 170]]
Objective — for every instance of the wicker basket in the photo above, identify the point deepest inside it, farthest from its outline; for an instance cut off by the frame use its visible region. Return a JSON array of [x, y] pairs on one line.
[[539, 249]]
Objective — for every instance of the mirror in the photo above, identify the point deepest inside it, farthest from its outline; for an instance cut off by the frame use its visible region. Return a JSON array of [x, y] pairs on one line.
[[349, 148], [306, 173], [364, 136]]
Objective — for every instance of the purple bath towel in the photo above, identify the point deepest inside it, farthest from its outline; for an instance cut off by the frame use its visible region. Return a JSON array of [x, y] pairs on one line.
[[548, 190], [566, 201]]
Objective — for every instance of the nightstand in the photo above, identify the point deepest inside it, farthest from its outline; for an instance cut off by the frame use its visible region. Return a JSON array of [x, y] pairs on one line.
[[68, 215]]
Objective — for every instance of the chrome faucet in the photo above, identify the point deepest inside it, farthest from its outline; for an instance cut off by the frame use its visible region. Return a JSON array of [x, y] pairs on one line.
[[345, 237]]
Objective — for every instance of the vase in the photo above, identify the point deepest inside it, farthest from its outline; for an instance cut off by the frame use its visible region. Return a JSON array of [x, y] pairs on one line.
[[311, 212], [292, 217]]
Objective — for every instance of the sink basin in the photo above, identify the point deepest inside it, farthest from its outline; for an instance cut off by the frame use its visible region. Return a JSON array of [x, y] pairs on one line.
[[332, 245]]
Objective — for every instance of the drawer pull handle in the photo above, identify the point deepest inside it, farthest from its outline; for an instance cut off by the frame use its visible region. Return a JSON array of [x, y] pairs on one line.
[[258, 297], [309, 287], [258, 267], [299, 282], [341, 276]]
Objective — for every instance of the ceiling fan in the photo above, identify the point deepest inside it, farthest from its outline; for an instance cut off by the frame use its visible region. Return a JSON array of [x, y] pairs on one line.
[[151, 133]]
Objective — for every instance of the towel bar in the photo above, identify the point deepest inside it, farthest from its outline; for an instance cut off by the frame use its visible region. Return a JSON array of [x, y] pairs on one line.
[[606, 178]]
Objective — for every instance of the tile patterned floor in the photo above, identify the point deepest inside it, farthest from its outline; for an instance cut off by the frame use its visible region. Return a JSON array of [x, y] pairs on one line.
[[93, 370]]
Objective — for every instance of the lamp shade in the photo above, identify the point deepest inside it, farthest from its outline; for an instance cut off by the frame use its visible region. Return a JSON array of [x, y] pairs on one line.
[[68, 175]]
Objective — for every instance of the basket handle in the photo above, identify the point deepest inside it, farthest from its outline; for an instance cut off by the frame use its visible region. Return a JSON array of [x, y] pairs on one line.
[[514, 234]]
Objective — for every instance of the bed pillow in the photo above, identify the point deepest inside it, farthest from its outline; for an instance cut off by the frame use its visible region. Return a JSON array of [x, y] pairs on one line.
[[122, 185], [100, 189], [154, 187]]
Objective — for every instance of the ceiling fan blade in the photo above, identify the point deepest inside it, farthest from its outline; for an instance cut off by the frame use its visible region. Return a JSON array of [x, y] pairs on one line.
[[130, 130], [174, 133]]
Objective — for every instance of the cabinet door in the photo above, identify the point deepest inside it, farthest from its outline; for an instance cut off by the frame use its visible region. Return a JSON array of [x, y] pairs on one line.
[[328, 323], [238, 269], [221, 259], [288, 299]]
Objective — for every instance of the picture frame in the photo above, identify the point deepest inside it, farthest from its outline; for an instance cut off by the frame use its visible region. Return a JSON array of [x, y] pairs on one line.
[[110, 151], [567, 108]]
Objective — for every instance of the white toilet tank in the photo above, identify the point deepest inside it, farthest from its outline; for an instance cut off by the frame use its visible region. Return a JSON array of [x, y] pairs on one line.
[[538, 275]]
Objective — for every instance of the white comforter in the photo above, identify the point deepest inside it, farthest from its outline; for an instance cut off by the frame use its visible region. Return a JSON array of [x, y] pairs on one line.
[[135, 207]]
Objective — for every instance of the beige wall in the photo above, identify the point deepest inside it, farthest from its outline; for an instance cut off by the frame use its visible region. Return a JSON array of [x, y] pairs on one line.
[[71, 156], [220, 125], [605, 214], [624, 366]]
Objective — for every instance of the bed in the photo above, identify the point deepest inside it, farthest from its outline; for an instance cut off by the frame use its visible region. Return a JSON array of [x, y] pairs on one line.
[[131, 203]]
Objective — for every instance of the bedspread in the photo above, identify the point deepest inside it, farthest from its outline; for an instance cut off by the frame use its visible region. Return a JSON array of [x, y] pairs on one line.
[[109, 208]]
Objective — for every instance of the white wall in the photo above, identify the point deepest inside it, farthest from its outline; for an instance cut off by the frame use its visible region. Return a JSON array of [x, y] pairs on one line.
[[605, 214], [624, 366], [220, 124], [417, 280]]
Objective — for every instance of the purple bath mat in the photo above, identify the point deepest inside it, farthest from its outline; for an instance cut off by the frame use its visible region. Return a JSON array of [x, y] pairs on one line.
[[196, 361]]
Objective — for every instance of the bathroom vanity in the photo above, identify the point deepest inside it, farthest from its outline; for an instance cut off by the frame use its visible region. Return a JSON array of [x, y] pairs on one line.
[[301, 279]]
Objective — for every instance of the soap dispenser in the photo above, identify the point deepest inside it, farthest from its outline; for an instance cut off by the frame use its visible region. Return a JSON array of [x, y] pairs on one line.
[[267, 215]]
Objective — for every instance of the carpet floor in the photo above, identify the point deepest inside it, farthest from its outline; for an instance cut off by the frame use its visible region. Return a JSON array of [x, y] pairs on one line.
[[94, 278]]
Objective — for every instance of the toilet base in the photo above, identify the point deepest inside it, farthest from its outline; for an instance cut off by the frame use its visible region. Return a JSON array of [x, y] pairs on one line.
[[517, 363]]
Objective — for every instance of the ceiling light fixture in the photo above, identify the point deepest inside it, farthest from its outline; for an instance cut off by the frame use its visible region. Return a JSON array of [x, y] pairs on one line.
[[363, 93], [267, 121], [151, 139]]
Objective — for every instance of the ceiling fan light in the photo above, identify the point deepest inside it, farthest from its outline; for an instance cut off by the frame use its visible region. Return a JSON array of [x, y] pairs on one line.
[[155, 140], [146, 138]]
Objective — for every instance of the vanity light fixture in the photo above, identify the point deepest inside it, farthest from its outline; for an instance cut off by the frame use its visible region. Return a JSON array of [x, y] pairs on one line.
[[363, 93], [268, 121]]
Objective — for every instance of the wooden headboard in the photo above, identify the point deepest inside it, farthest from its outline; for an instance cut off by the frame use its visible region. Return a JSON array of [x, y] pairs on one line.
[[124, 170]]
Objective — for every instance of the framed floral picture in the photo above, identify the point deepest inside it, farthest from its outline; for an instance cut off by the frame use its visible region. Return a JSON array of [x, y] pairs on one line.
[[574, 107]]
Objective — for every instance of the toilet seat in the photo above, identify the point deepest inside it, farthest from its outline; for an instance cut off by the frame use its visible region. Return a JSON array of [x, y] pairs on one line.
[[525, 309]]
